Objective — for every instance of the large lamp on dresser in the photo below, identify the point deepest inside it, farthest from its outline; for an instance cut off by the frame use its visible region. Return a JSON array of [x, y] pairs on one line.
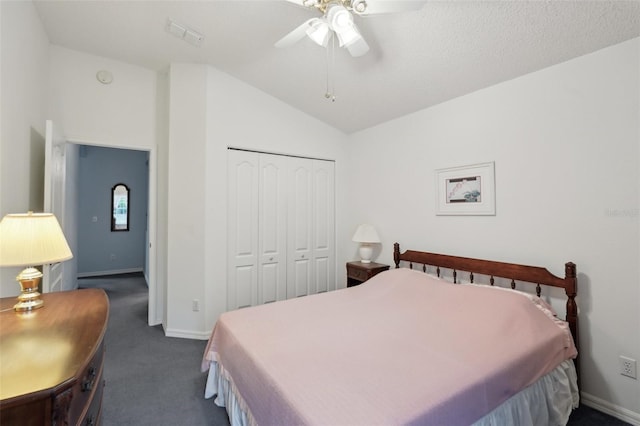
[[28, 240], [366, 235]]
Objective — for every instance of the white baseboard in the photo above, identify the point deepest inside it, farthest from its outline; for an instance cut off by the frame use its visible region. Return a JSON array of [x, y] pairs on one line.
[[187, 334], [609, 408], [111, 272]]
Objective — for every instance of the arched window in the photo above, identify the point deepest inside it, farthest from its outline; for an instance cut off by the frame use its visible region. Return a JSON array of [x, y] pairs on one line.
[[120, 205]]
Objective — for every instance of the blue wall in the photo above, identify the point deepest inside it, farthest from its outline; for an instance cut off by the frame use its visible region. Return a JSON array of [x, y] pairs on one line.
[[101, 251]]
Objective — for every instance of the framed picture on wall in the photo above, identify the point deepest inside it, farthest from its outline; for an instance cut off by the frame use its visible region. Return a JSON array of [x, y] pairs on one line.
[[466, 190]]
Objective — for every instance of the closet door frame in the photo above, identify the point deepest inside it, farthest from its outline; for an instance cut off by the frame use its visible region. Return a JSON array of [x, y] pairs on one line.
[[281, 227]]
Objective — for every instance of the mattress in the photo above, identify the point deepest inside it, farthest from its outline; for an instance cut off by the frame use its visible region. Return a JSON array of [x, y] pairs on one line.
[[402, 348]]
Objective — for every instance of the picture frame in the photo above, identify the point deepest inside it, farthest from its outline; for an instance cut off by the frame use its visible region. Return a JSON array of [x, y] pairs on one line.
[[466, 190]]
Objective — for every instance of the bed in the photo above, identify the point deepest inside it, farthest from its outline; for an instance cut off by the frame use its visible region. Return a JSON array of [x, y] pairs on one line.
[[409, 346]]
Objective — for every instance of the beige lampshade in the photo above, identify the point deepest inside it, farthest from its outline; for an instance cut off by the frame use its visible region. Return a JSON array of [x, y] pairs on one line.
[[29, 239], [366, 234]]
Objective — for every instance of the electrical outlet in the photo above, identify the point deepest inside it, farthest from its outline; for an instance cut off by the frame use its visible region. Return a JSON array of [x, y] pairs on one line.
[[112, 257], [628, 367], [195, 305]]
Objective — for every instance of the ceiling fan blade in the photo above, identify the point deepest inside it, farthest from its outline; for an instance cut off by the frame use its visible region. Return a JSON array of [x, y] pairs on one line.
[[296, 35], [358, 47], [376, 7]]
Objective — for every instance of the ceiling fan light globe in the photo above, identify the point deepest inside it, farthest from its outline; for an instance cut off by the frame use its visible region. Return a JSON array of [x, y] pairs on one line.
[[319, 33], [339, 18], [348, 36]]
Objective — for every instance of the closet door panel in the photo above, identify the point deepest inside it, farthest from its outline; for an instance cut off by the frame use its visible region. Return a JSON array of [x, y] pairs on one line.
[[242, 237], [322, 272], [268, 287], [324, 225], [299, 235], [272, 244], [243, 286]]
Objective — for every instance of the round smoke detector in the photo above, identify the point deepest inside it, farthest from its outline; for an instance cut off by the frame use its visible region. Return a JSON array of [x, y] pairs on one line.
[[104, 77]]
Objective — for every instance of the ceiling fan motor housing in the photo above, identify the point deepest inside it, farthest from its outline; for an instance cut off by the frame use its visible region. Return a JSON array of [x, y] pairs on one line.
[[358, 6]]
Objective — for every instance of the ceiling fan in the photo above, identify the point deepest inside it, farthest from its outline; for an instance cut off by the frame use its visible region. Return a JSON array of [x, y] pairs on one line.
[[337, 20]]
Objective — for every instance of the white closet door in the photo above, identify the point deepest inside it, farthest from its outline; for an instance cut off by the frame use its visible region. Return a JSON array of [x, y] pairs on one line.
[[299, 226], [323, 226], [272, 243], [242, 238]]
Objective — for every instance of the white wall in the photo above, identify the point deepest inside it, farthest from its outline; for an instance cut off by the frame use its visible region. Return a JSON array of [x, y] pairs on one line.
[[24, 68], [186, 198], [209, 112], [565, 141], [120, 114]]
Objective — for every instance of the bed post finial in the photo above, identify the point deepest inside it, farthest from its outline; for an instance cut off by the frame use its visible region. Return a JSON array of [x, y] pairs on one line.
[[396, 254], [571, 289]]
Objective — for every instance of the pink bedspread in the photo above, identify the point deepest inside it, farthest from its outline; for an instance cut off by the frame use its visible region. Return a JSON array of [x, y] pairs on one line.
[[402, 348]]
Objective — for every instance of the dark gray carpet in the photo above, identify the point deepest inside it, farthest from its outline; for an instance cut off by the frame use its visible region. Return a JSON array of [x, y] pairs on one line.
[[150, 379], [156, 380]]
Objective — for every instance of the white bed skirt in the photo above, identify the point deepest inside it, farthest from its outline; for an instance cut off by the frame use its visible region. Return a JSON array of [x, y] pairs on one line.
[[549, 401]]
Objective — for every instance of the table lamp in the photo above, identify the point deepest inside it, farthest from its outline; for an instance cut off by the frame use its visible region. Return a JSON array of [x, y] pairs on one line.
[[366, 235], [28, 240]]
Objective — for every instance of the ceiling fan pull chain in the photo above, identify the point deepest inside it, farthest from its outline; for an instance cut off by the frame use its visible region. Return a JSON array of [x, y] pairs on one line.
[[326, 58], [333, 68], [330, 94]]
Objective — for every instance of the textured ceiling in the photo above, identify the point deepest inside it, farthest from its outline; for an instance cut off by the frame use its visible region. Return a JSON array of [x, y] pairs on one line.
[[417, 59]]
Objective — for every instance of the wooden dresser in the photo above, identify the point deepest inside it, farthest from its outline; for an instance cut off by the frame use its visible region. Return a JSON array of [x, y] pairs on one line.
[[51, 360]]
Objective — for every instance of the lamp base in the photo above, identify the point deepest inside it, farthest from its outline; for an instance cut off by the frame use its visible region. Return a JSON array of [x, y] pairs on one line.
[[29, 299], [366, 251]]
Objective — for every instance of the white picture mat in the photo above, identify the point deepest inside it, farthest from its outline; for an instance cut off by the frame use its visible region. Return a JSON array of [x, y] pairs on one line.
[[464, 181]]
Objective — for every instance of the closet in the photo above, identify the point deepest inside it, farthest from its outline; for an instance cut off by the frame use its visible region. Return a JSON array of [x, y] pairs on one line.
[[281, 227]]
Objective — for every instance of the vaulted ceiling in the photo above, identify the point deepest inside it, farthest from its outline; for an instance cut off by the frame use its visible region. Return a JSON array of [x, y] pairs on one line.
[[417, 59]]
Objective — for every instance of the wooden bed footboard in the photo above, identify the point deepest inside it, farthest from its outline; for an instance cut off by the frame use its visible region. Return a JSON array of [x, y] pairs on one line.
[[511, 271]]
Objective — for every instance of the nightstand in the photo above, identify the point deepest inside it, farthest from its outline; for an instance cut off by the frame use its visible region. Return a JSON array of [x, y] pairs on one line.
[[358, 272]]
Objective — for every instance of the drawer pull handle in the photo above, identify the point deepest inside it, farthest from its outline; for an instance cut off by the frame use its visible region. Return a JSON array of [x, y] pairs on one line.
[[87, 383]]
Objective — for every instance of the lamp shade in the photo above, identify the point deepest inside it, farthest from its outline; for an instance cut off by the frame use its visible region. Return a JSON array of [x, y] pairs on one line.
[[366, 234], [32, 239]]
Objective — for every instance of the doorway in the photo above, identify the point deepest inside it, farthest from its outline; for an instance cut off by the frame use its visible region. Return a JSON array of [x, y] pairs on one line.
[[100, 251]]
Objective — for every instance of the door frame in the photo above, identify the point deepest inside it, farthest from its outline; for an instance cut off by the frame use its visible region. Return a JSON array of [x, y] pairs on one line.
[[54, 196], [156, 302]]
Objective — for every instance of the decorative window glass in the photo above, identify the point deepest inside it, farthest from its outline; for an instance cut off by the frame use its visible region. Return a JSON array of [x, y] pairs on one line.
[[120, 205]]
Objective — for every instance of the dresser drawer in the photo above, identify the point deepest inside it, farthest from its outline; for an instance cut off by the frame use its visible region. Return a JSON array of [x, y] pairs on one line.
[[87, 388], [93, 414]]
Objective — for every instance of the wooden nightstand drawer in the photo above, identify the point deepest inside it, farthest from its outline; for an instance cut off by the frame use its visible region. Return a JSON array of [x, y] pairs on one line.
[[358, 272]]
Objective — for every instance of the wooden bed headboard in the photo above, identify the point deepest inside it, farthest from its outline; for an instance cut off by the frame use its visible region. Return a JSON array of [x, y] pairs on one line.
[[512, 271]]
